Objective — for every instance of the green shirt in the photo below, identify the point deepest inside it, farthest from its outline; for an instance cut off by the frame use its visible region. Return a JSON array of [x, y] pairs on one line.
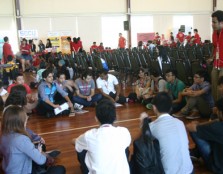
[[175, 87]]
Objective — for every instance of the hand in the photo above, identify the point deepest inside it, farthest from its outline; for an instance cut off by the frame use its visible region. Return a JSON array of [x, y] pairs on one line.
[[192, 127], [89, 98], [143, 115], [117, 98], [56, 106], [42, 141], [40, 147]]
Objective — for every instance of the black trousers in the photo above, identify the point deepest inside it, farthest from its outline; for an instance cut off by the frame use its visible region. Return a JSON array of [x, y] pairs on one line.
[[121, 99]]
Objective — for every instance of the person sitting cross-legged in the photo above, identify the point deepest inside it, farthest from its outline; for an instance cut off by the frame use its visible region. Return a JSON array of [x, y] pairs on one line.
[[208, 138], [198, 97], [109, 87], [104, 149], [46, 91], [86, 91]]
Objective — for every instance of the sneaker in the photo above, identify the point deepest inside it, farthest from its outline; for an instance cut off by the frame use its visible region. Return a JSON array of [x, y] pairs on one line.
[[53, 153], [192, 117], [78, 106], [194, 154]]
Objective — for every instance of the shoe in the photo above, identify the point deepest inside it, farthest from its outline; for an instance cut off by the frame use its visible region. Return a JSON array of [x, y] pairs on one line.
[[53, 153], [179, 115], [194, 154], [78, 106], [149, 106], [192, 117]]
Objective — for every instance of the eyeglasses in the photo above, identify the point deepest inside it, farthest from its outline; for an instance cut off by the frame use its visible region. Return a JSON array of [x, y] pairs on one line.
[[197, 77]]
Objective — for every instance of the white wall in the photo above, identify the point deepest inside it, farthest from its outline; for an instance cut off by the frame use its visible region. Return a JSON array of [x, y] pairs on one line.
[[6, 8], [219, 5]]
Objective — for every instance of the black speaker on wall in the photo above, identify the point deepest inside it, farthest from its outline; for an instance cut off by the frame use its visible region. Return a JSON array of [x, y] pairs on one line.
[[182, 28], [126, 25]]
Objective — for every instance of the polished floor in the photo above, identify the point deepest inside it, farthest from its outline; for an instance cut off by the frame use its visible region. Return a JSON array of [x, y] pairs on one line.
[[59, 131]]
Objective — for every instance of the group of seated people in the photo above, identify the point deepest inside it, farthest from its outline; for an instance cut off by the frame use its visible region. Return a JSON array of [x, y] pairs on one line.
[[165, 96]]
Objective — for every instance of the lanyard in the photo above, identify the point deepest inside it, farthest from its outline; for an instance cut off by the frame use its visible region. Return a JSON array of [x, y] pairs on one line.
[[106, 84], [85, 87]]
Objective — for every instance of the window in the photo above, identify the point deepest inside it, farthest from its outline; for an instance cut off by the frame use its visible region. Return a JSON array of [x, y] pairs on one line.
[[111, 27], [140, 24]]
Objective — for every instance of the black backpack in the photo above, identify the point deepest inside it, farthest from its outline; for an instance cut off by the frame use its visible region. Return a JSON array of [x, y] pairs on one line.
[[146, 155]]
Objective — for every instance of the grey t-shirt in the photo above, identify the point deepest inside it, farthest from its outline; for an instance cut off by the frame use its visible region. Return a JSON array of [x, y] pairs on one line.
[[84, 87]]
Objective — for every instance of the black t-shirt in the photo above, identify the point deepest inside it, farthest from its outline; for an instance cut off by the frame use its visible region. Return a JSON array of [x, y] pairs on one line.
[[213, 133]]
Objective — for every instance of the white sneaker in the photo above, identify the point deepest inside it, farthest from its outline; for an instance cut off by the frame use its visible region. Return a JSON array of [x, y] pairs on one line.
[[78, 106]]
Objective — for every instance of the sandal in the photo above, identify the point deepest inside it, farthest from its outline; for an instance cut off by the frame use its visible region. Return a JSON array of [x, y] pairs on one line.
[[72, 114]]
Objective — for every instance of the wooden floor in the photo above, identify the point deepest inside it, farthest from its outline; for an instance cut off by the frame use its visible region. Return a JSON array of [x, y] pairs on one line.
[[58, 132]]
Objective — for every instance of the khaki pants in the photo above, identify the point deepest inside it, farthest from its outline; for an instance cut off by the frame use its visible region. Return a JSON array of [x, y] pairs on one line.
[[215, 74]]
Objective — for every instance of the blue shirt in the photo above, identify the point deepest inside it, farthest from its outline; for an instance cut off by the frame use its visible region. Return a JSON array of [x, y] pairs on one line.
[[207, 88], [18, 153], [45, 92]]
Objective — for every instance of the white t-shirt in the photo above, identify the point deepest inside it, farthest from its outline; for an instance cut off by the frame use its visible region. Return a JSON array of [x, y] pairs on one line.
[[3, 92], [109, 85], [105, 149], [174, 144]]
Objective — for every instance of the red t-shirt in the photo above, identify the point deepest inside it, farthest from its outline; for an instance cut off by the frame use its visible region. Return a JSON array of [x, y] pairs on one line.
[[28, 90], [157, 39], [188, 37], [80, 44], [197, 39], [180, 37], [75, 46], [101, 48], [71, 46], [25, 49], [93, 47], [218, 42], [121, 42], [7, 51]]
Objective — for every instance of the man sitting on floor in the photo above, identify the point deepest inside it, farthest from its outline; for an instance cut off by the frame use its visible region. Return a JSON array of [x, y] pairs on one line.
[[109, 87], [103, 150], [208, 138], [198, 97], [46, 91]]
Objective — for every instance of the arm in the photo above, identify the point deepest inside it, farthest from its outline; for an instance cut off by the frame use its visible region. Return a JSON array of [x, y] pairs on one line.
[[106, 95], [179, 98], [80, 143], [117, 89]]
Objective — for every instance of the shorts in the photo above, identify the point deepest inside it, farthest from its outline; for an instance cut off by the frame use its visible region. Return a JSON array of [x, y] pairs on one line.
[[26, 56]]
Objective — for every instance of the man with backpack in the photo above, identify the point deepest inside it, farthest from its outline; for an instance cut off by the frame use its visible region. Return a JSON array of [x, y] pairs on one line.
[[172, 137]]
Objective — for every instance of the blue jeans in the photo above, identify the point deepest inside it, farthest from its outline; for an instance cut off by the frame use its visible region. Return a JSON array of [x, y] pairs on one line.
[[83, 101], [203, 146]]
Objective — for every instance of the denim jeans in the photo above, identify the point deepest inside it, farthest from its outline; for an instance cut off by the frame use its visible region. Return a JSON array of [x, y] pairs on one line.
[[83, 101], [203, 146]]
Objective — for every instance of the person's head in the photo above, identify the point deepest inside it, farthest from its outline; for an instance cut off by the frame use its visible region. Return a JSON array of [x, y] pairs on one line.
[[61, 77], [157, 33], [14, 120], [86, 76], [170, 75], [30, 41], [217, 20], [199, 77], [220, 84], [61, 63], [19, 79], [189, 33], [141, 73], [179, 30], [154, 75], [47, 76], [9, 58], [120, 34], [24, 41], [40, 42], [6, 39], [101, 44], [48, 41], [106, 112], [103, 74], [94, 43], [219, 105], [171, 33], [162, 103], [17, 96], [195, 31], [68, 39]]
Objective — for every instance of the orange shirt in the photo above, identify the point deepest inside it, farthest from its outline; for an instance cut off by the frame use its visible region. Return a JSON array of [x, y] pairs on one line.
[[121, 42]]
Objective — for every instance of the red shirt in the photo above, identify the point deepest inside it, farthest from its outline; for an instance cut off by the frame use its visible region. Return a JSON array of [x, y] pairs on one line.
[[28, 90], [75, 46], [80, 44], [93, 47], [7, 51], [100, 48], [180, 37], [121, 42], [197, 39], [188, 37], [25, 49], [157, 39], [71, 46], [218, 43]]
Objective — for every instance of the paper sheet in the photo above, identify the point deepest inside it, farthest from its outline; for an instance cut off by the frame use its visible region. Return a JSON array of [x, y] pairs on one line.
[[61, 109]]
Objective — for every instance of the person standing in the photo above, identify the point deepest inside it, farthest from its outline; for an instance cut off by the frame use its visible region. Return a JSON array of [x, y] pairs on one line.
[[197, 39], [121, 42], [217, 38], [7, 50]]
